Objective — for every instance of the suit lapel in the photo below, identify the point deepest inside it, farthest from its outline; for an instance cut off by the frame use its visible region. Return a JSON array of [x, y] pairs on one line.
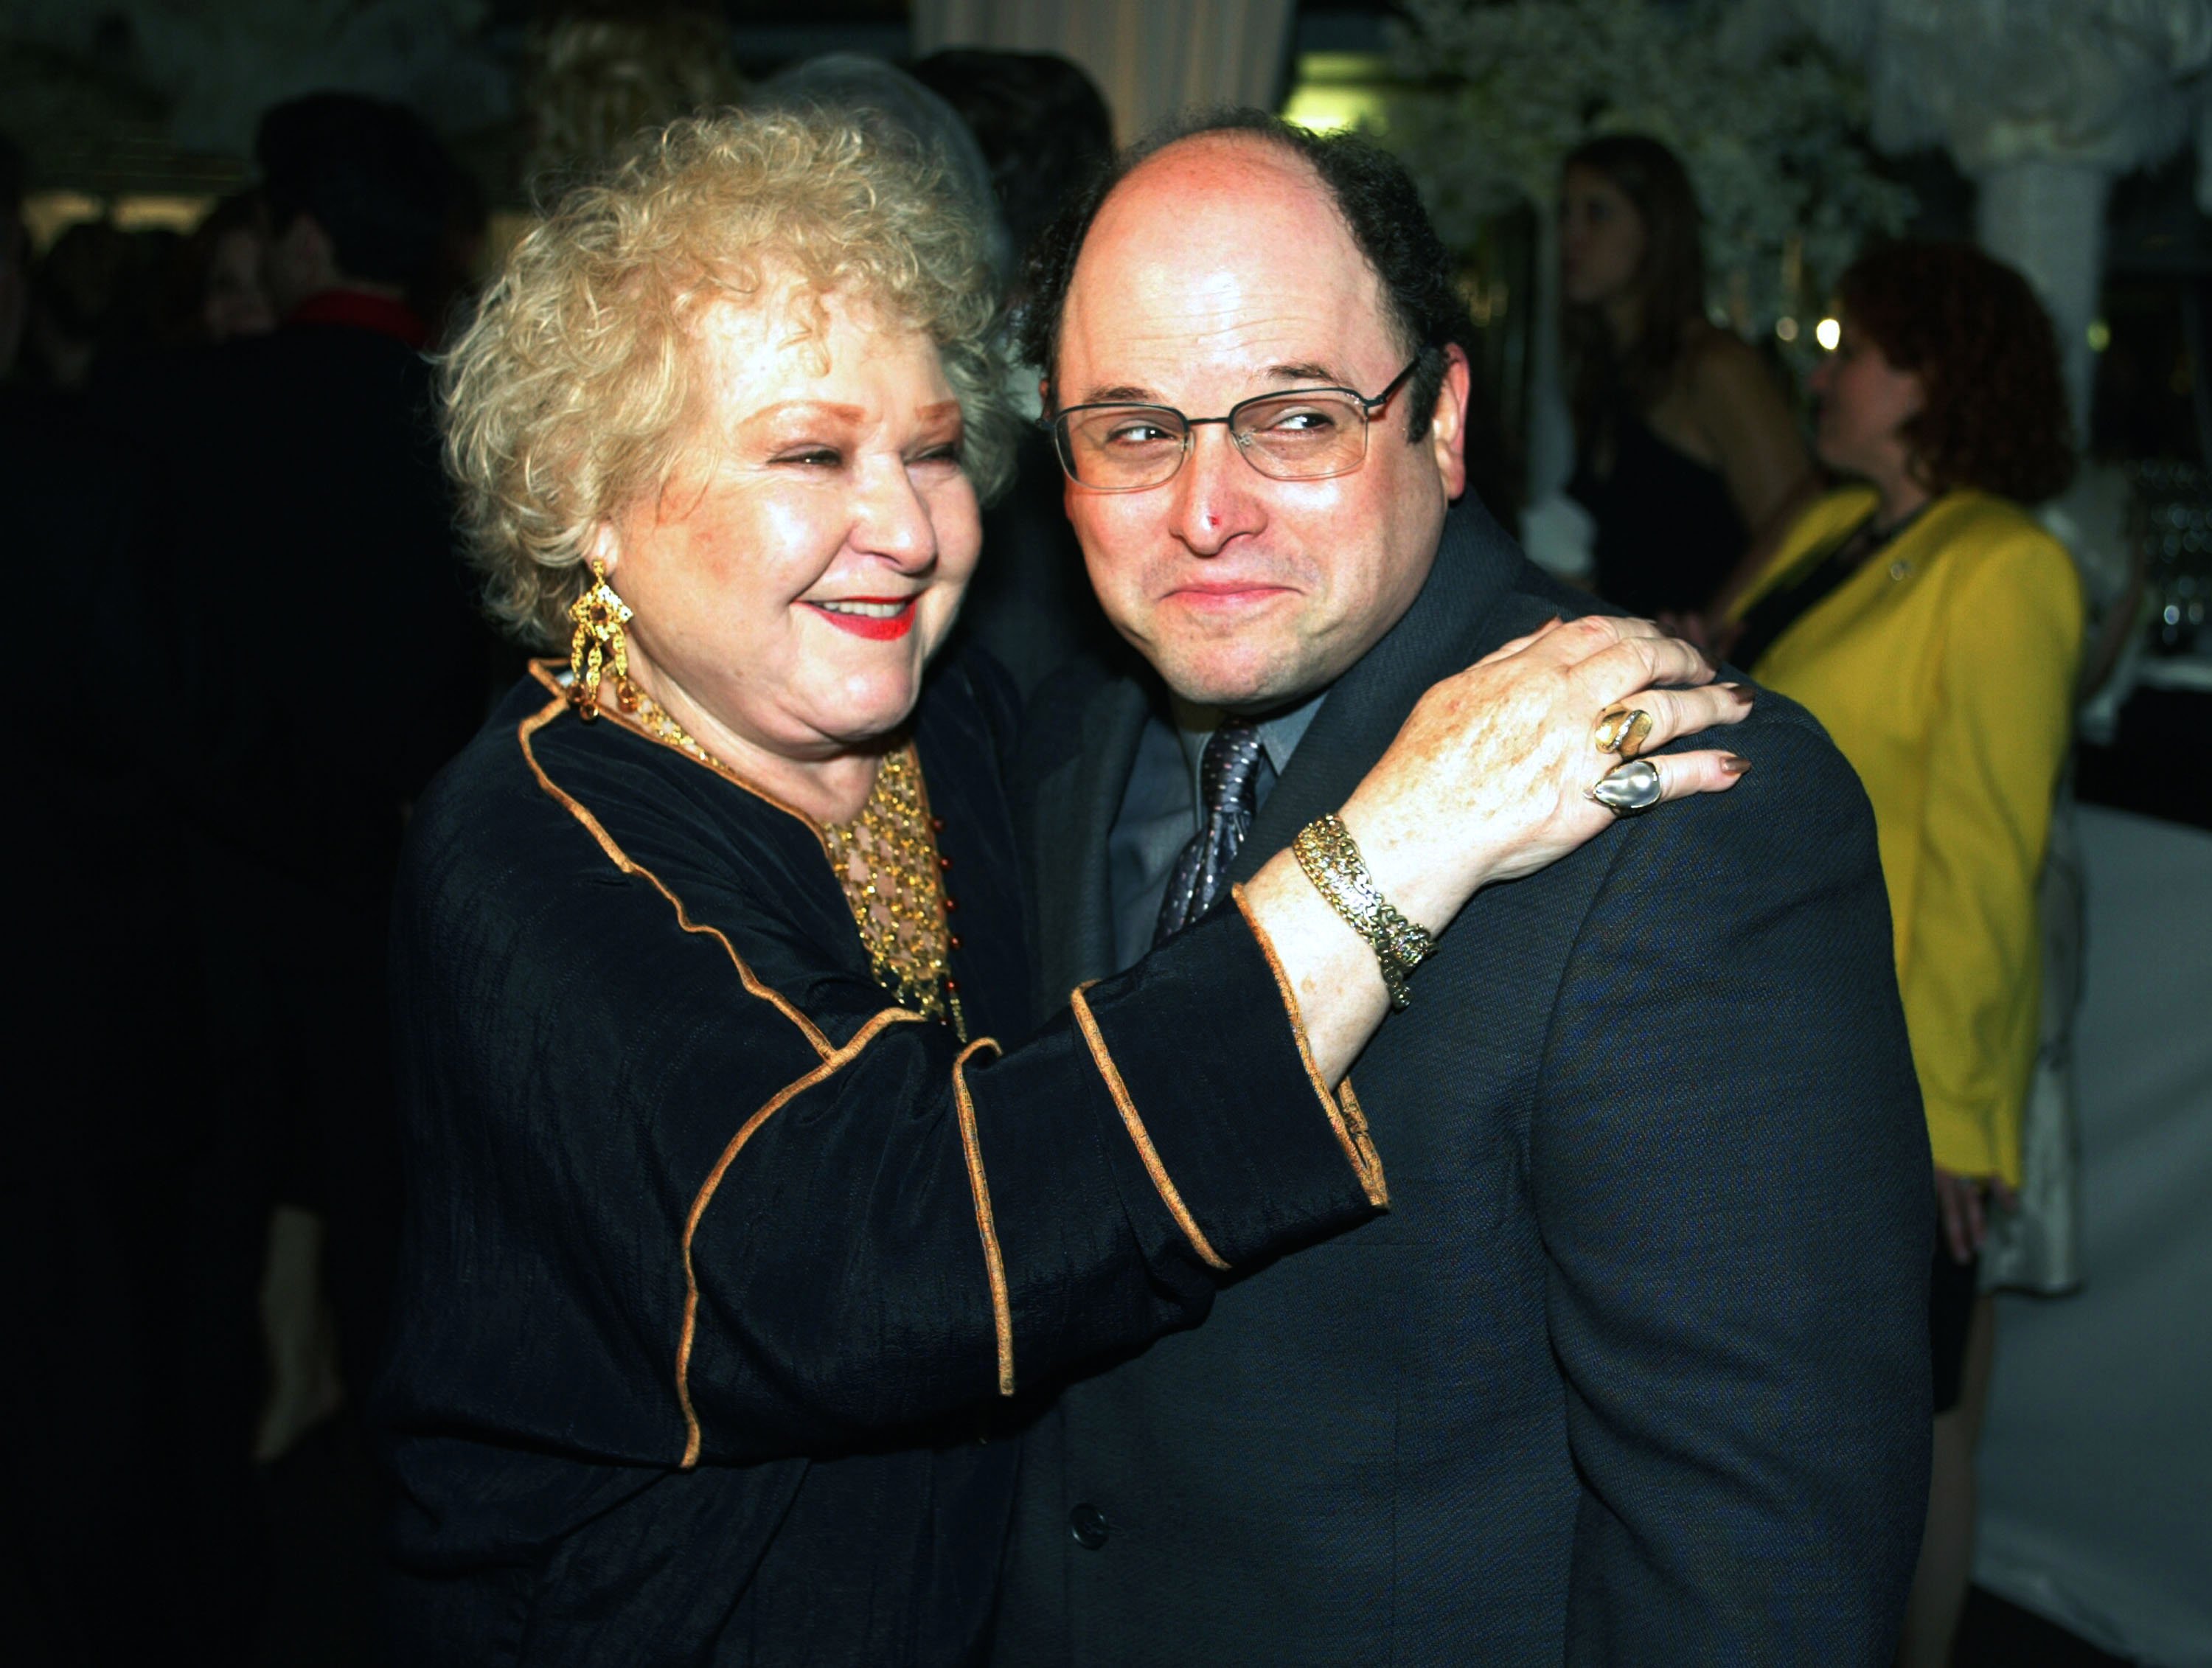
[[1449, 626], [1074, 805]]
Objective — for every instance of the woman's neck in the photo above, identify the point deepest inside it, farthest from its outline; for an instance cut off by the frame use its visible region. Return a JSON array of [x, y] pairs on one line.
[[1624, 321], [825, 790], [1903, 497]]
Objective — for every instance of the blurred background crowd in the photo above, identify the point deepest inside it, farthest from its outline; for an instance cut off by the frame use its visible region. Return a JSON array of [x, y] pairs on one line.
[[1720, 260]]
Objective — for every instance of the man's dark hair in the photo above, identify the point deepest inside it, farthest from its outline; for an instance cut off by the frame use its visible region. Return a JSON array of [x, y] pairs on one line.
[[373, 175], [1370, 189]]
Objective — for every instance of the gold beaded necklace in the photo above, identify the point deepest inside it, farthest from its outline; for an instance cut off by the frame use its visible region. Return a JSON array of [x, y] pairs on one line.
[[894, 879], [886, 860]]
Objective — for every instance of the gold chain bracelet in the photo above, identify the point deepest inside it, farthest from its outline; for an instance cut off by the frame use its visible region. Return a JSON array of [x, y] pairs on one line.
[[1327, 852]]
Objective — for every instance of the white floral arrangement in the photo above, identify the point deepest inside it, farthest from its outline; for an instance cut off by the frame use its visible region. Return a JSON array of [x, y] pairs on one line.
[[1769, 128]]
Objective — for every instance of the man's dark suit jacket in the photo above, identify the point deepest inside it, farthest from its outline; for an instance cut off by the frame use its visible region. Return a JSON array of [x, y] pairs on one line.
[[1635, 1369]]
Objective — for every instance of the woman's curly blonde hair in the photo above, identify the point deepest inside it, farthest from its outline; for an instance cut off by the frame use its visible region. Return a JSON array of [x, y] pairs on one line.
[[573, 390]]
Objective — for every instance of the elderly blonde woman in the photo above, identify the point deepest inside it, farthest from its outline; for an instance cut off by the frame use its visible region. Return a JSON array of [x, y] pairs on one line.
[[742, 1186]]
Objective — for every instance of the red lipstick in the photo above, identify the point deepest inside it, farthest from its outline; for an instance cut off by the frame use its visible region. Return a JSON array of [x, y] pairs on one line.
[[876, 628]]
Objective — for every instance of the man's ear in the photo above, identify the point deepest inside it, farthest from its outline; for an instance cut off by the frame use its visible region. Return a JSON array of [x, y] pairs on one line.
[[301, 261], [1447, 424], [318, 243]]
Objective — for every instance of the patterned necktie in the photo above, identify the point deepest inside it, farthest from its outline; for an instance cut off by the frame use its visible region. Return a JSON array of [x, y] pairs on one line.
[[1229, 793]]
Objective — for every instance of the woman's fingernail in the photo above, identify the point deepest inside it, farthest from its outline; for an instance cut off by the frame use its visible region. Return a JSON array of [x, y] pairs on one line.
[[1733, 764], [1745, 693]]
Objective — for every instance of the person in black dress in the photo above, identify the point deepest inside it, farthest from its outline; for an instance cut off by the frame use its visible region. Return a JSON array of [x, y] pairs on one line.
[[741, 1188], [1687, 456]]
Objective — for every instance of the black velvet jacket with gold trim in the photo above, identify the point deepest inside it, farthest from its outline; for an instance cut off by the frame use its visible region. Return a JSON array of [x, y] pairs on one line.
[[714, 1254]]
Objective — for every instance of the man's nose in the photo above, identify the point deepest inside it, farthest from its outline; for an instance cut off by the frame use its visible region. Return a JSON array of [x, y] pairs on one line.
[[1217, 493]]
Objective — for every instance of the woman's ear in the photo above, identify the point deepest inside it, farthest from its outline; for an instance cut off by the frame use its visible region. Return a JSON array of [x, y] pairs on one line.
[[605, 548]]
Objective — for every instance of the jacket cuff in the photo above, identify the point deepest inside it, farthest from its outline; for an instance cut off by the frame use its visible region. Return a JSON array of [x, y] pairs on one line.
[[1202, 1051], [1963, 1145]]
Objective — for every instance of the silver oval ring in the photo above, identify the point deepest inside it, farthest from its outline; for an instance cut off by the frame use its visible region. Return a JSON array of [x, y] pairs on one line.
[[1628, 788]]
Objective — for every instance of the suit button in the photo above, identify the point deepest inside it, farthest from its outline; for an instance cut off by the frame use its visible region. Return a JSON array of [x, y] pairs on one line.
[[1088, 1525]]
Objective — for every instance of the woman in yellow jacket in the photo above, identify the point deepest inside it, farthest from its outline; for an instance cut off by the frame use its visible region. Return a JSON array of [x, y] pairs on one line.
[[1934, 628]]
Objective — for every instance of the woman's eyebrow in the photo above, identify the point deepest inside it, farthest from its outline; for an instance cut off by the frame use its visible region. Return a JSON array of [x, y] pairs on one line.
[[808, 407]]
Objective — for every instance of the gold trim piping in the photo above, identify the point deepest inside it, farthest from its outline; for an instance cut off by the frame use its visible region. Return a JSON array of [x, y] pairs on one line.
[[994, 1264], [546, 673], [1135, 1125], [829, 1069], [621, 860], [1371, 1178], [1345, 1114], [833, 1059]]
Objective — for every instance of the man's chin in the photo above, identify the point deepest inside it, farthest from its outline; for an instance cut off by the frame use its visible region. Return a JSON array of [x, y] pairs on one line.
[[1234, 683]]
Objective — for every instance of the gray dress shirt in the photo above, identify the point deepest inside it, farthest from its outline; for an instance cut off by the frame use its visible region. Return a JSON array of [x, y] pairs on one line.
[[1159, 809]]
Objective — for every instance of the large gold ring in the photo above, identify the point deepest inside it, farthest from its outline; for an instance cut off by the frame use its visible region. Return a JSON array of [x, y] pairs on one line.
[[1627, 790], [1624, 731]]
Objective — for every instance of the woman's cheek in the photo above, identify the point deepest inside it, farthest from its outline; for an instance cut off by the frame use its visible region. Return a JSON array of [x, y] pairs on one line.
[[957, 520], [795, 541]]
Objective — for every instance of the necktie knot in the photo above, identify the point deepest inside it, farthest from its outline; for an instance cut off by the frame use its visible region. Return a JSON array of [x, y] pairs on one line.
[[1229, 795]]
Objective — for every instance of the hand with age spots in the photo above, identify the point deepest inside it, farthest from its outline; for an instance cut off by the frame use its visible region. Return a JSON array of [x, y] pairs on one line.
[[1488, 781]]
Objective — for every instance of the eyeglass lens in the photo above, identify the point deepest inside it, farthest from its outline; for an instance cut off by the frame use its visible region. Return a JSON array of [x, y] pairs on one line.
[[1298, 436]]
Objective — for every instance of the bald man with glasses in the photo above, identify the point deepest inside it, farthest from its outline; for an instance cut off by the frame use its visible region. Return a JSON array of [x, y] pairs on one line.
[[1634, 1368]]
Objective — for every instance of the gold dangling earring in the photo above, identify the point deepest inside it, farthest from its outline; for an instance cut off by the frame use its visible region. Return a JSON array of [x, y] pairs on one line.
[[598, 643]]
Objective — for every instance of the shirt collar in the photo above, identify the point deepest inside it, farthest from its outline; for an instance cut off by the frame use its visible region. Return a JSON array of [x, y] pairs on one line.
[[1280, 732]]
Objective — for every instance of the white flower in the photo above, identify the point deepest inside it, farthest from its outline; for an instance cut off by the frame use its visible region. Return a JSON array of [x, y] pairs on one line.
[[1770, 133]]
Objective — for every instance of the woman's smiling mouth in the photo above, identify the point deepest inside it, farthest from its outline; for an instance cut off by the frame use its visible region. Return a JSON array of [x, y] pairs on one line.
[[880, 619]]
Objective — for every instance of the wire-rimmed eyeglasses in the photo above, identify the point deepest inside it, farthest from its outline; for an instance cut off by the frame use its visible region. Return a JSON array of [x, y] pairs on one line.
[[1299, 434]]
